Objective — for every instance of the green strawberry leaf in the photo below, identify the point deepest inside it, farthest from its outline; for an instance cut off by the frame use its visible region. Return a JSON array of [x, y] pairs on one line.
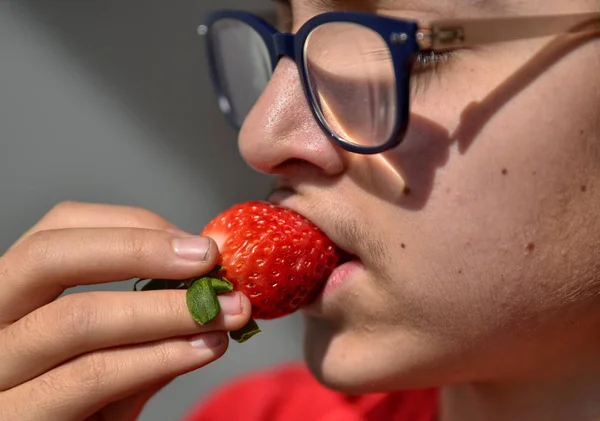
[[221, 285], [202, 301], [245, 333]]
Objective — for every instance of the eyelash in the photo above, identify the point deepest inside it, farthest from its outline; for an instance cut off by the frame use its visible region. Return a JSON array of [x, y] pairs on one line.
[[423, 60], [431, 60], [427, 65]]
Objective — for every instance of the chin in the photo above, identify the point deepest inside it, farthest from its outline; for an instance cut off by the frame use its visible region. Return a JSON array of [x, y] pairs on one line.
[[358, 363], [361, 362], [335, 372]]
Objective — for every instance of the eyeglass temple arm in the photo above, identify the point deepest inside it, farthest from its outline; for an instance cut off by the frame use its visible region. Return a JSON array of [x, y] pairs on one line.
[[455, 33]]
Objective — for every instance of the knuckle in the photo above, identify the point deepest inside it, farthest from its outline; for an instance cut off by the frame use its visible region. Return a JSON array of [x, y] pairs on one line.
[[92, 372], [137, 244], [39, 248], [32, 325], [165, 356], [49, 384], [145, 218], [75, 315], [172, 306], [65, 207]]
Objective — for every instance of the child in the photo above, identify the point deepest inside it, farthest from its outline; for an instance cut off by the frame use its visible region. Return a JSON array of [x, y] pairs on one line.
[[457, 161]]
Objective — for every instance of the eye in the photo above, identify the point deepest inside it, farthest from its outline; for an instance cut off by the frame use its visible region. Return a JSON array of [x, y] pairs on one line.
[[428, 65], [423, 61], [431, 60]]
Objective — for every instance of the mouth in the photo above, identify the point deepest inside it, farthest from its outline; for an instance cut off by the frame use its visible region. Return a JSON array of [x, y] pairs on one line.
[[349, 263], [284, 196], [347, 257]]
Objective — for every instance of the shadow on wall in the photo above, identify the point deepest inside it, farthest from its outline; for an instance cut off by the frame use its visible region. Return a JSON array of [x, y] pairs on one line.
[[149, 57]]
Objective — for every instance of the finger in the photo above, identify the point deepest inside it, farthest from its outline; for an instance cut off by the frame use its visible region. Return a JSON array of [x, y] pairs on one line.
[[129, 409], [80, 388], [95, 215], [47, 262], [80, 323]]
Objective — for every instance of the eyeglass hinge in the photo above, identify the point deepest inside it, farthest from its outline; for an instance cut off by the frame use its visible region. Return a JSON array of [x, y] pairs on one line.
[[424, 38]]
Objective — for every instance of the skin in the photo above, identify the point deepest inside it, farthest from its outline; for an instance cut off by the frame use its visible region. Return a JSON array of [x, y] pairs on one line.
[[479, 271]]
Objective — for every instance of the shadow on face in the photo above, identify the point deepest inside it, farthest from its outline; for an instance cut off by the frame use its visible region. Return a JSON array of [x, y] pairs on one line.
[[477, 114], [405, 176]]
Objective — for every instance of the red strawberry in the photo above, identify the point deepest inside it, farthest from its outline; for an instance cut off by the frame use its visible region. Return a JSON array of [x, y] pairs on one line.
[[273, 255]]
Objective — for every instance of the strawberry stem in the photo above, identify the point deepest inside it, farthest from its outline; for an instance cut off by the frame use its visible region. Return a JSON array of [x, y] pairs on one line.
[[245, 333]]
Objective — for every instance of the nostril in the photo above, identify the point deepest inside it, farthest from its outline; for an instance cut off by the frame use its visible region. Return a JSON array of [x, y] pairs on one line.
[[292, 165]]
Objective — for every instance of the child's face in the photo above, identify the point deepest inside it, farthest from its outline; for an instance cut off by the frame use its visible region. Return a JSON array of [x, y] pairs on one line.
[[479, 235]]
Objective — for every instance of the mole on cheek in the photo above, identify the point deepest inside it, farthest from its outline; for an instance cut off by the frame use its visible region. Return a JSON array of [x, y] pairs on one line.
[[504, 171], [530, 247]]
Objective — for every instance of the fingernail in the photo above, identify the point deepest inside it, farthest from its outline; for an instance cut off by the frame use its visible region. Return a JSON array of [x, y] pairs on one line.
[[207, 340], [192, 248], [231, 303]]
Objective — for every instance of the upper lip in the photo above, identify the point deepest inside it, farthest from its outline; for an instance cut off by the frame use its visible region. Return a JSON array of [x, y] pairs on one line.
[[290, 203]]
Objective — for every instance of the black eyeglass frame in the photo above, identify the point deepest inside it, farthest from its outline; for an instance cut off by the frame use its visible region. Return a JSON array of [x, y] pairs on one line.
[[404, 38]]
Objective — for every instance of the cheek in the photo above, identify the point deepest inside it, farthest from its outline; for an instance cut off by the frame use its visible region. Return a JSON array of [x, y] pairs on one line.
[[496, 253], [506, 235]]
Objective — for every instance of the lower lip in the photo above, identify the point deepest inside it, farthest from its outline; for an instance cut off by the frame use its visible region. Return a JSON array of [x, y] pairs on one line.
[[339, 276]]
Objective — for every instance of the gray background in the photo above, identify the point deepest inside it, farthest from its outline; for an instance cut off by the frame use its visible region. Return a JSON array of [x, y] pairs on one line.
[[109, 101]]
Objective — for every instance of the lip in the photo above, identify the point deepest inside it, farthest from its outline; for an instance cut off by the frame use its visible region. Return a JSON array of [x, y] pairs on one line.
[[339, 276]]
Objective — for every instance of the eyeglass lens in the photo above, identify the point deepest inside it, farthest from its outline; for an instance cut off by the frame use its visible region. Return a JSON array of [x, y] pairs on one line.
[[243, 65]]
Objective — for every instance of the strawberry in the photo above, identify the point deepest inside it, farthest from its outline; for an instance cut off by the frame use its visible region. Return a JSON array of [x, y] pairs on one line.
[[275, 256]]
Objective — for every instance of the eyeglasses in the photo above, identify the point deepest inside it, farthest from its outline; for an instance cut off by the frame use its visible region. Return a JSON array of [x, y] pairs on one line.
[[355, 67]]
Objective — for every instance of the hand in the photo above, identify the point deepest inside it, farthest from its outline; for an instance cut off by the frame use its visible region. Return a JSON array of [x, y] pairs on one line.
[[101, 355]]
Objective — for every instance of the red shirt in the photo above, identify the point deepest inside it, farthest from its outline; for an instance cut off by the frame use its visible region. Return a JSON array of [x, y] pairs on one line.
[[290, 393]]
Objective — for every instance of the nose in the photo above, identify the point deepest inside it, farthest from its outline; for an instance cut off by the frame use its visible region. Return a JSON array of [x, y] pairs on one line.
[[281, 132]]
